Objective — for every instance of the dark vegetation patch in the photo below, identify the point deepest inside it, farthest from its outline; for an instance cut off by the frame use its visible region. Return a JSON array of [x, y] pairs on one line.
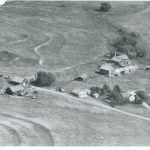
[[44, 79], [105, 6], [130, 43], [116, 97], [113, 96]]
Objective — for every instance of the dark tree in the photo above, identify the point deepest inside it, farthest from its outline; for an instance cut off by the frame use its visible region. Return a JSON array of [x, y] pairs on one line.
[[106, 89], [96, 89], [44, 79], [117, 88], [105, 6]]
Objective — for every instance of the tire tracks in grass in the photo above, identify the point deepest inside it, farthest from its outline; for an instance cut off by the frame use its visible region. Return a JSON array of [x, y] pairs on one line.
[[16, 140], [14, 124]]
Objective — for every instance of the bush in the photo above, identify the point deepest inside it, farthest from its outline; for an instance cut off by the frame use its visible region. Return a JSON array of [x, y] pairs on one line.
[[117, 88], [116, 97], [96, 89], [44, 79], [140, 49], [106, 89], [105, 6]]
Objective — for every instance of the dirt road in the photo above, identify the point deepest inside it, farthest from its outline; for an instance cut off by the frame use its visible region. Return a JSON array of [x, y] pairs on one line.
[[37, 49], [92, 102]]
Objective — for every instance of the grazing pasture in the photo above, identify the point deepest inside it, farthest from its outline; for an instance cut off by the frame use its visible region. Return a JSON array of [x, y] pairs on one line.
[[69, 39]]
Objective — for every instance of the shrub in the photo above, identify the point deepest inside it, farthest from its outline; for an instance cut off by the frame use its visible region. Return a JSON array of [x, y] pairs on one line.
[[105, 6], [44, 79], [96, 89], [129, 40], [125, 48], [106, 89], [131, 54], [140, 49], [117, 88], [116, 97]]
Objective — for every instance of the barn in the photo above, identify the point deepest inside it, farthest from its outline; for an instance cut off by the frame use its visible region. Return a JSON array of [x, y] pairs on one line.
[[107, 69]]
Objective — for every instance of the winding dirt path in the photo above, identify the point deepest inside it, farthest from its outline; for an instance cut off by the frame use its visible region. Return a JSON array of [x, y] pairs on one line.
[[37, 48], [22, 131]]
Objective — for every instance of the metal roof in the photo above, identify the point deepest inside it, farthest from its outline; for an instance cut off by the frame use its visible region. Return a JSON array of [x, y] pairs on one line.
[[16, 79], [119, 58], [107, 66]]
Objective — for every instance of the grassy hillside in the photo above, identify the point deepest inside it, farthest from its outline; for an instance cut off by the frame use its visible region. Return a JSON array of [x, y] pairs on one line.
[[68, 38], [67, 31]]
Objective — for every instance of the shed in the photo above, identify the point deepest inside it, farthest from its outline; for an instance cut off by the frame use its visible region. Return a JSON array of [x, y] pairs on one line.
[[107, 69], [121, 60], [82, 77], [15, 80], [125, 70], [95, 95], [147, 67], [15, 90], [81, 93]]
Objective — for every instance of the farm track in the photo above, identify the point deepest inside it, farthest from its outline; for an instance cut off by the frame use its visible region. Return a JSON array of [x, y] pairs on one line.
[[24, 132], [97, 104], [37, 48], [41, 61]]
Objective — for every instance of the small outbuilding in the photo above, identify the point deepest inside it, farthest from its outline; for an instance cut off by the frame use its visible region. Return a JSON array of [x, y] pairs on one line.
[[125, 70], [15, 90], [15, 80], [81, 93], [60, 89], [95, 95], [147, 67], [107, 69], [82, 77]]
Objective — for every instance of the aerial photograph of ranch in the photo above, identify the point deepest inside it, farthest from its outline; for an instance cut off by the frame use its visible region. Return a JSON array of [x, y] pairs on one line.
[[74, 73]]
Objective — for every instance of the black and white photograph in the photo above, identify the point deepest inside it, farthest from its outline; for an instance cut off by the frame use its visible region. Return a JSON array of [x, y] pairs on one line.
[[74, 73]]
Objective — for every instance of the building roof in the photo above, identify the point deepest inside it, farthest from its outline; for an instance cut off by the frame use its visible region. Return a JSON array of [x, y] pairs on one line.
[[119, 58], [83, 76], [15, 89], [16, 79], [80, 91], [107, 66]]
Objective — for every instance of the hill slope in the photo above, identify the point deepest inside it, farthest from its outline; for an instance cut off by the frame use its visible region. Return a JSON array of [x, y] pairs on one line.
[[67, 38]]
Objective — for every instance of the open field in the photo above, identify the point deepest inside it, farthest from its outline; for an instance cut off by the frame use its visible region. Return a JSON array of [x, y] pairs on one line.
[[68, 39]]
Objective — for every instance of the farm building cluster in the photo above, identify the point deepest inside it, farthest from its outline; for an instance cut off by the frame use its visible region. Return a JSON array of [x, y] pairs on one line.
[[18, 86], [117, 66], [113, 96]]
